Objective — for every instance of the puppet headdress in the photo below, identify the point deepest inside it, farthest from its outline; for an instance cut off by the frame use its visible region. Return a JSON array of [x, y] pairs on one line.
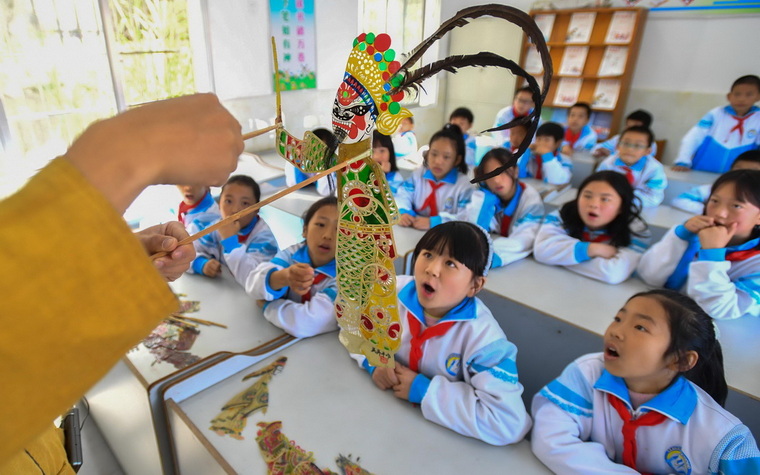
[[370, 74]]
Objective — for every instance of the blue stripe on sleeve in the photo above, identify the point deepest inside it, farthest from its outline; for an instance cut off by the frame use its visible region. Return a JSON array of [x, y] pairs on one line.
[[567, 399]]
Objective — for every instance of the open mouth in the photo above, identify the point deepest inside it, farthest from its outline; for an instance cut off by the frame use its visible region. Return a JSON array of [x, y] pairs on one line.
[[593, 215], [428, 289], [610, 352]]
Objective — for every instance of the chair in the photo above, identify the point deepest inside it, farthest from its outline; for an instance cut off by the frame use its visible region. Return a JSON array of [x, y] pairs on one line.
[[660, 149]]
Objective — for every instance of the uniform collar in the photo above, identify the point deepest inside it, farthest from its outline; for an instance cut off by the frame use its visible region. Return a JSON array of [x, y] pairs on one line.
[[302, 256], [732, 111], [451, 177], [465, 310], [638, 166]]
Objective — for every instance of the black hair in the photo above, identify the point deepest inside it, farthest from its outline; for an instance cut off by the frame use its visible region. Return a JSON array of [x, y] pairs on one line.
[[410, 119], [619, 229], [553, 130], [642, 116], [245, 180], [332, 142], [382, 140], [750, 79], [692, 329], [752, 156], [524, 89], [640, 130], [464, 241], [746, 189], [454, 133], [502, 156], [464, 113], [316, 206], [582, 105]]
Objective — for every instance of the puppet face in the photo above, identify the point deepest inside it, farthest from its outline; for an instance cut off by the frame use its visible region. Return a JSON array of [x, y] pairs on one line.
[[353, 112]]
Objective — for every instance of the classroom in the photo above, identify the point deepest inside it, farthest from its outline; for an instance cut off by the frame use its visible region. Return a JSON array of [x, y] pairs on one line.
[[547, 261]]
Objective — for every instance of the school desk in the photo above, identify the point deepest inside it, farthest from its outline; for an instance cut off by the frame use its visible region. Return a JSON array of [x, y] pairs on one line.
[[124, 402], [680, 182], [328, 405]]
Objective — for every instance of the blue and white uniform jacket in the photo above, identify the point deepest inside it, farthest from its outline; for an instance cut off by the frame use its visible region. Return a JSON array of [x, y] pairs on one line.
[[577, 430], [394, 180], [504, 116], [586, 141], [293, 176], [649, 180], [470, 146], [405, 144], [467, 377], [202, 214], [526, 210], [611, 145], [714, 143], [693, 200], [555, 169], [451, 198], [284, 308], [555, 247], [258, 245], [724, 289]]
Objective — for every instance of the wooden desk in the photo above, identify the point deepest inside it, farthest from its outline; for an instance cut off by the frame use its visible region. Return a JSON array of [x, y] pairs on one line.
[[322, 397]]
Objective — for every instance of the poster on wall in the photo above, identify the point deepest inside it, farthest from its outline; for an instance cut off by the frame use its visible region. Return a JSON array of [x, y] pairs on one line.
[[292, 25]]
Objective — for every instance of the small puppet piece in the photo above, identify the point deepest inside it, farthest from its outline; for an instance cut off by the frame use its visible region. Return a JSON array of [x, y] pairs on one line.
[[170, 341], [233, 418], [350, 467], [283, 456]]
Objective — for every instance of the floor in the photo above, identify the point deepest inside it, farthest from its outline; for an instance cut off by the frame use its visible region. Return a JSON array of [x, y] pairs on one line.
[[97, 455]]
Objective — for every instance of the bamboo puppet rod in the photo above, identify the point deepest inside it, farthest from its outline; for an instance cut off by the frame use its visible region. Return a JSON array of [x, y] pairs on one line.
[[261, 204], [256, 133], [197, 320]]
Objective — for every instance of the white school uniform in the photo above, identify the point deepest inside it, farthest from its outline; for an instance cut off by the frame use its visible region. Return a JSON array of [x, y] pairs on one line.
[[554, 169], [522, 216], [504, 116], [714, 143], [555, 247], [693, 200], [405, 144], [287, 310], [241, 253], [451, 198], [648, 175], [394, 180], [586, 140], [611, 145], [206, 211], [470, 147], [725, 289], [293, 176], [578, 431], [467, 377]]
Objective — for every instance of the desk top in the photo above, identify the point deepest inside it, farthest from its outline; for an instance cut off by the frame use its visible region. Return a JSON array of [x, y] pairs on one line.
[[321, 398], [222, 300]]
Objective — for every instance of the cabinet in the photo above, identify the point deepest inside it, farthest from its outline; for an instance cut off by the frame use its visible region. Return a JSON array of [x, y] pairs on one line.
[[594, 52]]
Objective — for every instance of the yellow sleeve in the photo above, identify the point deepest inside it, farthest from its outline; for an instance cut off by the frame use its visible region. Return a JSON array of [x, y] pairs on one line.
[[78, 290]]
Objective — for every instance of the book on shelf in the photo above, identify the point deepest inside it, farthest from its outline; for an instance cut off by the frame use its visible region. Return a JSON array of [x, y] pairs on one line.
[[613, 61], [606, 94], [579, 30], [545, 23], [573, 60], [621, 28], [533, 63], [568, 90]]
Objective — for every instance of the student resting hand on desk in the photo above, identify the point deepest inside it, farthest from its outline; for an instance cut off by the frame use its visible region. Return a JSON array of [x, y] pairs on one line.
[[85, 289]]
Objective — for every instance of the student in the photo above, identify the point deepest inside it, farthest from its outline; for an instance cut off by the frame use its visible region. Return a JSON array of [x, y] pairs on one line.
[[325, 185], [634, 160], [650, 403], [506, 206], [693, 201], [463, 118], [297, 288], [724, 132], [543, 161], [240, 246], [439, 190], [405, 141], [595, 234], [714, 256], [384, 154], [637, 118], [454, 360], [197, 203], [516, 136], [522, 105], [578, 135]]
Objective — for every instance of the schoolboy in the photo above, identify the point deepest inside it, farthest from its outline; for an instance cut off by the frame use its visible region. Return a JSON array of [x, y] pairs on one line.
[[463, 118], [522, 105], [197, 203], [578, 135], [634, 160], [724, 132], [544, 161], [405, 141], [639, 118]]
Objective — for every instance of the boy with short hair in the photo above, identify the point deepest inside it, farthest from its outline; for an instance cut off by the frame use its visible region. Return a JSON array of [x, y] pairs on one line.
[[639, 118], [543, 161], [522, 105], [724, 132], [405, 141], [578, 135], [516, 136], [694, 200], [634, 160], [197, 204], [463, 118]]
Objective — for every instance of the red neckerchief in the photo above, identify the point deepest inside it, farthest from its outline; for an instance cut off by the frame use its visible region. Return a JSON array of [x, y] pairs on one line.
[[420, 337], [600, 238], [317, 279], [650, 418], [739, 125], [184, 208], [571, 137], [506, 220], [736, 256], [516, 115], [431, 201], [539, 167], [628, 174]]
